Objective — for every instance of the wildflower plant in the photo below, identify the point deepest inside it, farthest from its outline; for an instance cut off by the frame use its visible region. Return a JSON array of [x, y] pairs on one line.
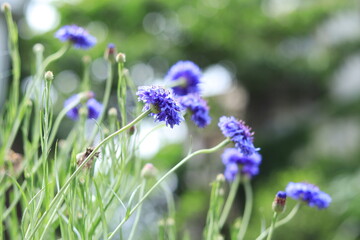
[[89, 184]]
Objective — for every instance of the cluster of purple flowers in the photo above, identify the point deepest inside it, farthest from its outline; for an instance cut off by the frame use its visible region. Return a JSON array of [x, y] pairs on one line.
[[309, 194], [198, 107], [239, 133], [235, 162], [244, 158], [187, 74], [78, 36], [94, 107], [185, 95], [162, 103]]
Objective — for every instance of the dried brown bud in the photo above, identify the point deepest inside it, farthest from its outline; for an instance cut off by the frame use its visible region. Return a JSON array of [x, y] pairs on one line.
[[80, 158]]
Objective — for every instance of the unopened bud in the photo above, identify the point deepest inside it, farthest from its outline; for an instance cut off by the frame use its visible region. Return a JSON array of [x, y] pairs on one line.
[[220, 178], [80, 158], [86, 59], [279, 202], [149, 171], [49, 76], [132, 130], [112, 112], [38, 48], [110, 53], [121, 58], [28, 103], [83, 112], [5, 7]]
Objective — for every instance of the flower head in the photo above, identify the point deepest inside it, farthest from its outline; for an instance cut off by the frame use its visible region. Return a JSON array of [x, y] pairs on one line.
[[239, 133], [189, 73], [94, 107], [76, 35], [236, 162], [308, 193], [198, 108], [162, 104]]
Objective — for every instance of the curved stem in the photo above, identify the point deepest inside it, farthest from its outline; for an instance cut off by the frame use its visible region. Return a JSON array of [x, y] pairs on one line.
[[271, 231], [55, 56], [281, 222], [229, 201], [247, 211], [182, 162], [136, 221], [77, 171]]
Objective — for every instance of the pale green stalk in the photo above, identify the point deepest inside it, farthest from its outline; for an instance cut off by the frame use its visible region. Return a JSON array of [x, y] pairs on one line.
[[182, 162], [229, 201], [273, 222], [77, 171], [105, 101], [247, 212], [281, 222], [138, 214]]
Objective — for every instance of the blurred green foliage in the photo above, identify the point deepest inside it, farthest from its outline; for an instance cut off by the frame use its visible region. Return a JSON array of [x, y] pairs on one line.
[[287, 69]]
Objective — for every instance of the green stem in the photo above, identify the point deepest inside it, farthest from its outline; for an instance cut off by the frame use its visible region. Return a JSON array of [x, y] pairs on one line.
[[15, 57], [55, 56], [281, 222], [229, 201], [105, 101], [121, 92], [273, 222], [136, 221], [247, 212], [77, 171], [182, 162]]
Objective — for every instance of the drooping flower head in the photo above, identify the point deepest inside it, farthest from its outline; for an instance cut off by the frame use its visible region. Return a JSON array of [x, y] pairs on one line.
[[309, 194], [239, 133], [236, 162], [94, 107], [198, 108], [187, 74], [78, 36], [161, 102]]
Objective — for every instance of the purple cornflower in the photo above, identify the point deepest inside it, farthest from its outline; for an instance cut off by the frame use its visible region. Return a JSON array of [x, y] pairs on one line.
[[236, 161], [78, 36], [185, 71], [308, 193], [162, 104], [94, 107], [198, 108], [239, 133]]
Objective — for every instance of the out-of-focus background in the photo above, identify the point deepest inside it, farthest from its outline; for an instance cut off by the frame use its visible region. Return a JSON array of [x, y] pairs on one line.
[[289, 68]]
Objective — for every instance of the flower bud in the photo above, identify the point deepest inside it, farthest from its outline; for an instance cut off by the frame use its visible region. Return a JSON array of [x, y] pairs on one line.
[[121, 58], [5, 7], [149, 171], [112, 112], [279, 202], [86, 59], [38, 48], [110, 53], [49, 76], [132, 130], [80, 157]]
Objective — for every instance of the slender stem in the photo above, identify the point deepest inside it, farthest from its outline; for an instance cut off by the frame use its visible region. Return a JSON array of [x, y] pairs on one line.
[[105, 100], [182, 162], [273, 222], [15, 57], [281, 222], [229, 201], [247, 212], [55, 56], [77, 171], [136, 221]]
